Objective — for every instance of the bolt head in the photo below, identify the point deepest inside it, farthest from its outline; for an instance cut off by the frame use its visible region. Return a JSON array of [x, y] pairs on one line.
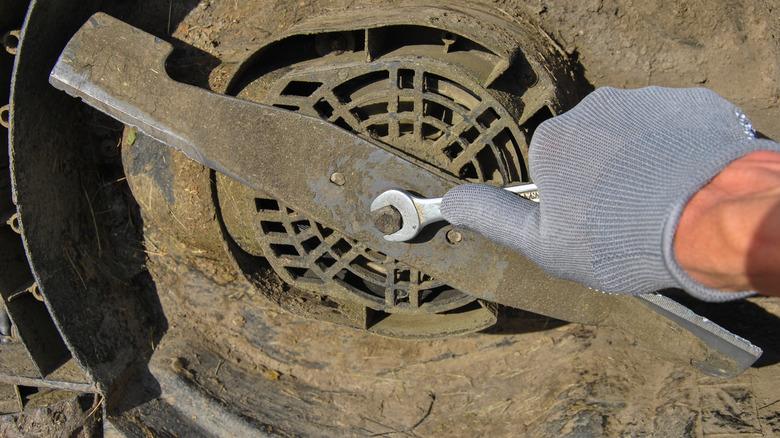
[[387, 219], [454, 236]]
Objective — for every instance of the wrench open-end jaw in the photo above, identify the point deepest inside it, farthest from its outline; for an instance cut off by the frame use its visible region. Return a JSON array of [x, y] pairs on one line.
[[120, 70]]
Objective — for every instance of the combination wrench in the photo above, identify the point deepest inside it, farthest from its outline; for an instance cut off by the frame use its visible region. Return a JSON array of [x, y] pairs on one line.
[[402, 215]]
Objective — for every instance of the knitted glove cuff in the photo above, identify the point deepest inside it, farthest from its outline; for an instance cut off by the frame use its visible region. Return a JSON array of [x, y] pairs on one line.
[[713, 166]]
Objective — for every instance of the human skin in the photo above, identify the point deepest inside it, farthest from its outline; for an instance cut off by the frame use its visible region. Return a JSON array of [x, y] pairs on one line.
[[728, 236]]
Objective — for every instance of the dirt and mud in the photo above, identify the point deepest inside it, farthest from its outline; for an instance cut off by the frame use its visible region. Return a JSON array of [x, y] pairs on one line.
[[54, 413], [527, 376]]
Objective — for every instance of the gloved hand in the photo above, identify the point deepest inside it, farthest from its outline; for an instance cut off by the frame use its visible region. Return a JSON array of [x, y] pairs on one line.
[[614, 175]]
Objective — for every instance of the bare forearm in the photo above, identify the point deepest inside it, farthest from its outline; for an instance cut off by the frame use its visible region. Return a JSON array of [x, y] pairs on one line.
[[729, 234]]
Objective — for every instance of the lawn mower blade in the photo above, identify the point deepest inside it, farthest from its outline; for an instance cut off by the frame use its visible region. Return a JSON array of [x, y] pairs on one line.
[[120, 70]]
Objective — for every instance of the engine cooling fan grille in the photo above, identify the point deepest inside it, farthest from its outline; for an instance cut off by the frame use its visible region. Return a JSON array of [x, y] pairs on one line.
[[420, 111], [312, 255], [415, 106]]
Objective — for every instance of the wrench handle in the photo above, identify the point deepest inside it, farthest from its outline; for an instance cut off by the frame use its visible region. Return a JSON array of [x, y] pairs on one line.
[[522, 188], [527, 191]]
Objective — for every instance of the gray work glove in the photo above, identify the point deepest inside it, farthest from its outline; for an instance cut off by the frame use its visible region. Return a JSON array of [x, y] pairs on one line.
[[614, 175]]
